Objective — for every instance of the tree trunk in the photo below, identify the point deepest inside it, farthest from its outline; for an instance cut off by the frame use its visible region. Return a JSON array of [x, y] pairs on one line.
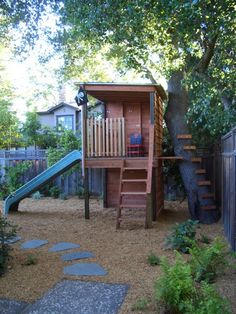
[[175, 120]]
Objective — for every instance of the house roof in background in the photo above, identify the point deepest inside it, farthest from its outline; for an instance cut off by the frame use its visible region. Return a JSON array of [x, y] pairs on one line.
[[54, 108], [108, 92]]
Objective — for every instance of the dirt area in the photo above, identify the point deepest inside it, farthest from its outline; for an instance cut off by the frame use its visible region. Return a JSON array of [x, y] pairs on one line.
[[122, 253]]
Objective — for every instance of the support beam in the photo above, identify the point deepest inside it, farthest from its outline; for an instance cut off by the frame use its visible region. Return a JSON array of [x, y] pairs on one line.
[[86, 194]]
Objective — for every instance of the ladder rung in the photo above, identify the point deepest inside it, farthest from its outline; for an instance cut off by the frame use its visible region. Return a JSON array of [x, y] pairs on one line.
[[200, 171], [132, 206], [203, 183], [133, 193], [208, 207], [190, 147], [196, 159], [184, 136], [207, 195], [134, 180], [134, 168], [133, 219]]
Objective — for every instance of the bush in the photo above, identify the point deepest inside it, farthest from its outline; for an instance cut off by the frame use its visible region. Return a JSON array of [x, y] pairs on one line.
[[180, 294], [207, 261], [30, 260], [36, 196], [7, 232], [182, 236], [14, 175], [63, 196], [153, 259], [54, 191]]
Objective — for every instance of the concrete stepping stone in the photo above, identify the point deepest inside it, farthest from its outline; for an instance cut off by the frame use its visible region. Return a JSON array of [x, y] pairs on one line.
[[62, 246], [84, 269], [80, 297], [76, 255], [11, 306], [33, 244], [13, 240]]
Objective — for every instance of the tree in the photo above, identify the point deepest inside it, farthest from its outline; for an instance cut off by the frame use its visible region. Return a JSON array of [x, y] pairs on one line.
[[31, 129], [189, 42]]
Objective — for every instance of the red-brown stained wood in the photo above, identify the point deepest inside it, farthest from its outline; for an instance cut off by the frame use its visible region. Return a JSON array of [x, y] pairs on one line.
[[184, 136], [200, 171], [207, 195], [196, 159], [190, 147], [204, 182], [208, 207]]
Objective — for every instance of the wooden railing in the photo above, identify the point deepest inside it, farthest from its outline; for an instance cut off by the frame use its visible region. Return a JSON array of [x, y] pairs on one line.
[[105, 137]]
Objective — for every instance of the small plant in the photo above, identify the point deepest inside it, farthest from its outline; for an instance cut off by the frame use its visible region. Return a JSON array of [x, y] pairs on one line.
[[207, 261], [36, 196], [30, 260], [63, 196], [153, 260], [179, 292], [7, 232], [182, 236], [54, 191], [140, 305], [80, 192], [205, 239]]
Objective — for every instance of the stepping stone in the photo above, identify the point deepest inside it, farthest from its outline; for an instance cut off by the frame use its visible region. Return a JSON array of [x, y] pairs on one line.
[[84, 269], [13, 240], [80, 297], [11, 306], [76, 255], [62, 246], [33, 244]]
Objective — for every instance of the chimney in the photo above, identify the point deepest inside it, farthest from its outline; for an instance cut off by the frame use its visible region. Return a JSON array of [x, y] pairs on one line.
[[62, 94]]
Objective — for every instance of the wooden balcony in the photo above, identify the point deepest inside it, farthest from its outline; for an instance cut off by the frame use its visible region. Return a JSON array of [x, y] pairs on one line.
[[105, 137]]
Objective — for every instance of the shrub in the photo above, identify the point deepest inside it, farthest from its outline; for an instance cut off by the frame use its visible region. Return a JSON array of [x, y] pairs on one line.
[[7, 232], [207, 261], [36, 196], [205, 239], [63, 196], [182, 236], [180, 293], [153, 259], [54, 191], [14, 175]]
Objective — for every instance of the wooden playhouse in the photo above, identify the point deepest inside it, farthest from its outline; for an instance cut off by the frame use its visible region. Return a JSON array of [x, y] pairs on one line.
[[126, 141]]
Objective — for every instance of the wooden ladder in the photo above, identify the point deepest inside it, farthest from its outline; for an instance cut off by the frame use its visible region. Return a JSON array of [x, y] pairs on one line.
[[135, 188]]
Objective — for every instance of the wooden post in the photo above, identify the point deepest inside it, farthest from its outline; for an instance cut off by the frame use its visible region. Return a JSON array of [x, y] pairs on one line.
[[86, 194]]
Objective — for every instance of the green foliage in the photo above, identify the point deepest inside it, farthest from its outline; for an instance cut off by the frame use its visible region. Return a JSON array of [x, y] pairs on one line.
[[205, 239], [54, 191], [31, 128], [80, 192], [14, 174], [182, 236], [179, 292], [30, 260], [47, 137], [153, 260], [7, 232], [176, 285], [36, 196], [207, 261], [140, 305]]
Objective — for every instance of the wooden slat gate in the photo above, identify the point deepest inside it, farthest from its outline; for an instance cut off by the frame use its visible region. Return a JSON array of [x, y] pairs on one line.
[[229, 186]]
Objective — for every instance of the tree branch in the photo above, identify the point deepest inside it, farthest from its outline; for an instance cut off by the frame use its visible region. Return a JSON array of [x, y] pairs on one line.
[[207, 56]]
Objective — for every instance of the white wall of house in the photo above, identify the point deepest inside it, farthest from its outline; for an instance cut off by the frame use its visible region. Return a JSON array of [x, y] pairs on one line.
[[46, 120]]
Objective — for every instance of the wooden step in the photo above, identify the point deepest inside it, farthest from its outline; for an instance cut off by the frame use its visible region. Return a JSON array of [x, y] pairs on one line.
[[133, 206], [134, 168], [133, 193], [204, 182], [208, 207], [184, 136], [200, 171], [132, 219], [133, 180], [207, 195], [190, 147], [196, 159]]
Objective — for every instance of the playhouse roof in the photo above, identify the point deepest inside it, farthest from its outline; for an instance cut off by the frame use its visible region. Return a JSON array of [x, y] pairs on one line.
[[109, 92]]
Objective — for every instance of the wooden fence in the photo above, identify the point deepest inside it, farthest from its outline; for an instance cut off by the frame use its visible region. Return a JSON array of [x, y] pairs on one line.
[[69, 184], [105, 137], [229, 186]]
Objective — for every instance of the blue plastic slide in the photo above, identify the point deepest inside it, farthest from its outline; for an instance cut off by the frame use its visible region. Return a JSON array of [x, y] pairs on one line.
[[12, 201]]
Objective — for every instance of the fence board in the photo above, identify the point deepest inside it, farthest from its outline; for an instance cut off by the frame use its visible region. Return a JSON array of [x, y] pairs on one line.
[[229, 186]]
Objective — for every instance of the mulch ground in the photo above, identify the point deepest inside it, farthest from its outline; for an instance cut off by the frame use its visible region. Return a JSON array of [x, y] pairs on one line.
[[122, 253]]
